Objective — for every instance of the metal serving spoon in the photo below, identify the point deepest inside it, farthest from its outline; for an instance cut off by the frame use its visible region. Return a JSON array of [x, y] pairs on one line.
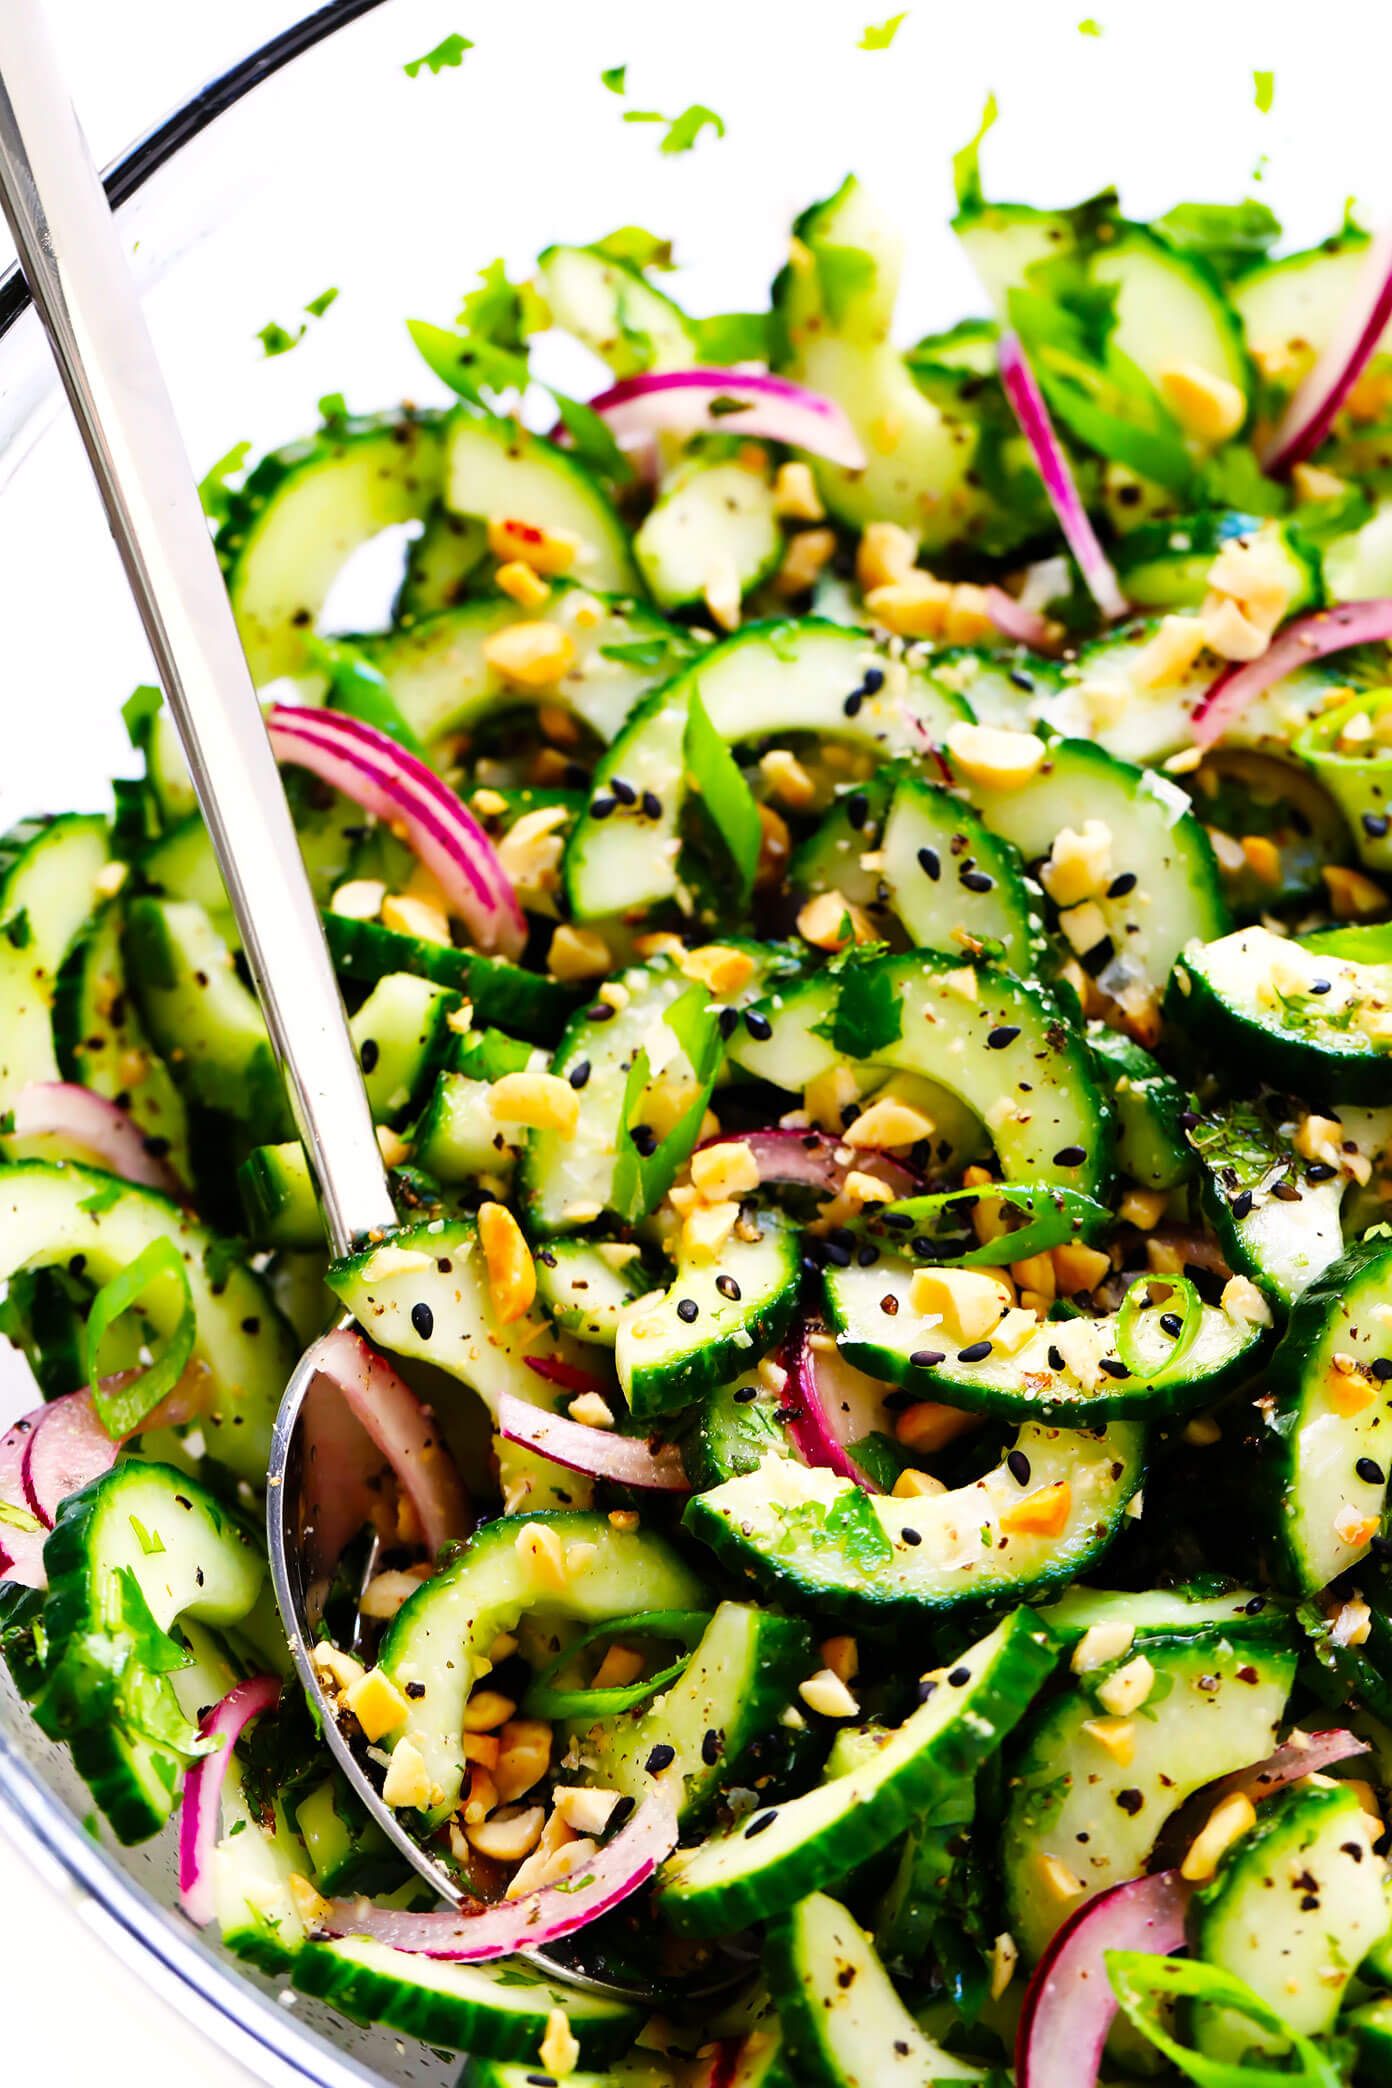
[[70, 251]]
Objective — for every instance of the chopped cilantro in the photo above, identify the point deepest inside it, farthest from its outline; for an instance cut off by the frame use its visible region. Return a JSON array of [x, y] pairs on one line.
[[1264, 84], [635, 245], [615, 78], [1089, 26], [317, 306], [879, 36], [966, 163], [150, 1541], [213, 489], [683, 130], [449, 51], [140, 707], [276, 341], [333, 409]]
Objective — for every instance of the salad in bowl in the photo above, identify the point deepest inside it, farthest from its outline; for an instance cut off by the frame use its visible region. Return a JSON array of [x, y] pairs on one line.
[[848, 1512]]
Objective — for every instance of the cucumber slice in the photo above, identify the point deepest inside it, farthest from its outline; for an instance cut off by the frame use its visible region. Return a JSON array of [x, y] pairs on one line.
[[496, 2010], [832, 333], [811, 1539], [1309, 1023], [496, 468], [612, 307], [129, 1556], [523, 1002], [831, 858], [1165, 565], [713, 519], [1171, 312], [586, 1285], [347, 1851], [1165, 889], [878, 1329], [770, 679], [955, 885], [722, 1716], [646, 1067], [767, 1862], [734, 1429], [1276, 1216], [180, 864], [984, 1036], [48, 872], [442, 681], [301, 515], [1147, 1105], [1214, 1708], [58, 1213], [1357, 774], [458, 1138], [153, 734], [1165, 1612], [1288, 308], [442, 1634], [200, 1015], [100, 1041], [714, 1320], [282, 1203], [1296, 1905], [1328, 1443], [843, 2023], [440, 563], [1371, 2027], [252, 1868], [401, 1032]]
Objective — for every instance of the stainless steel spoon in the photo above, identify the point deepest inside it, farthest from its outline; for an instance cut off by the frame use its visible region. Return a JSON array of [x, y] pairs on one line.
[[70, 251]]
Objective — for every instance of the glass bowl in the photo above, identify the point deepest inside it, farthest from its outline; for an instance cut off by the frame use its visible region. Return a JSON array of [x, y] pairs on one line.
[[318, 164]]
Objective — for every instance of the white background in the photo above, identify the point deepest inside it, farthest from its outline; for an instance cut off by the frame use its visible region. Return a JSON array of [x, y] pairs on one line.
[[1164, 102]]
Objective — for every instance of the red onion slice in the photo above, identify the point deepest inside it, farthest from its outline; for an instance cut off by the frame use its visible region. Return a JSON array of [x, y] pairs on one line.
[[1309, 638], [21, 1547], [200, 1816], [401, 1430], [569, 1376], [63, 1109], [386, 780], [823, 1418], [808, 1160], [1069, 2004], [626, 1460], [625, 1862], [1025, 626], [1030, 408], [1310, 414], [730, 402], [66, 1449]]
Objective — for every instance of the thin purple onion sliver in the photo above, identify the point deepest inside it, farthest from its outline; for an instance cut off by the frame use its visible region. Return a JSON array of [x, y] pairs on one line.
[[1311, 412], [200, 1817], [1309, 638], [395, 787], [1069, 2005], [626, 1460], [64, 1109], [730, 402], [1031, 410]]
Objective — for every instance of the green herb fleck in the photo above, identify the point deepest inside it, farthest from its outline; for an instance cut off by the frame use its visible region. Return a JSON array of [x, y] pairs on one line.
[[213, 489], [1089, 26], [879, 37], [150, 1541], [16, 929], [635, 245], [684, 130], [91, 1826], [966, 164], [1265, 85], [450, 51], [276, 341], [333, 409], [317, 306], [615, 78]]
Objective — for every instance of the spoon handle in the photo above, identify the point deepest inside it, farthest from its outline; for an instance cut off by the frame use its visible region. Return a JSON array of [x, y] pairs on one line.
[[70, 250]]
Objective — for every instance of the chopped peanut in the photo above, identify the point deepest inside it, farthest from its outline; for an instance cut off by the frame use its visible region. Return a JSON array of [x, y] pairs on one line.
[[1244, 1303], [1126, 1690], [539, 1546], [889, 1123], [830, 922], [1263, 858], [915, 606], [885, 554], [620, 1666], [716, 965], [787, 779], [407, 1781], [969, 1302], [795, 495], [807, 555], [1353, 1528], [707, 1227], [508, 1836], [1206, 406], [585, 1807], [1005, 1956], [531, 655], [1349, 1395], [1100, 1644], [1058, 1880], [725, 1170], [486, 1710], [1079, 1268], [385, 1594], [511, 1270], [1229, 1820], [359, 900], [418, 917], [542, 1101], [994, 756], [929, 1426], [578, 953], [842, 1656], [1352, 896], [1116, 1735], [1035, 1273], [774, 849], [1043, 1513], [392, 1146], [1080, 864], [544, 550], [722, 595], [826, 1694], [377, 1704], [591, 1410], [1143, 1208], [862, 1189], [523, 583], [524, 1756], [338, 1671]]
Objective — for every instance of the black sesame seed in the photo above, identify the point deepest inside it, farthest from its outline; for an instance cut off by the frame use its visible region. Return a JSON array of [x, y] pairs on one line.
[[867, 1255], [930, 863], [415, 1691], [728, 1022], [652, 804], [1020, 679], [1320, 1171], [579, 1074], [728, 1288], [624, 792], [911, 1536], [927, 1359], [758, 1026], [1003, 1034], [974, 1352], [645, 1139], [744, 1393], [1381, 1368], [759, 1823], [1321, 986], [959, 1677], [1098, 957], [687, 1310], [1241, 1204], [369, 1054], [710, 1748], [662, 1757], [1070, 1156], [1120, 886], [853, 702], [1113, 1366], [857, 809], [601, 807], [1368, 1469], [874, 681], [423, 1320], [1172, 1324], [1018, 1466], [837, 1253], [251, 1325], [927, 1688], [600, 1011], [1375, 825], [1055, 1357], [1130, 1801], [978, 881]]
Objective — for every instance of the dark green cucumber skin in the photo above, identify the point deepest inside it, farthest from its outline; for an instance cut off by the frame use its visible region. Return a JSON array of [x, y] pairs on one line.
[[527, 1004], [1021, 1667], [665, 1389], [1151, 1147], [728, 1437], [244, 504], [155, 1103], [1292, 1065], [455, 2025], [91, 1727], [1286, 1385]]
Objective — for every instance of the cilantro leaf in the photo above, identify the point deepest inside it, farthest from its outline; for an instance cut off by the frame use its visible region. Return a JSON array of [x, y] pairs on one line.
[[966, 163], [449, 51], [635, 245], [275, 340], [615, 78], [868, 1013], [213, 490], [1264, 86], [683, 130], [879, 37], [591, 439], [158, 1269], [333, 409], [317, 306], [1230, 236]]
